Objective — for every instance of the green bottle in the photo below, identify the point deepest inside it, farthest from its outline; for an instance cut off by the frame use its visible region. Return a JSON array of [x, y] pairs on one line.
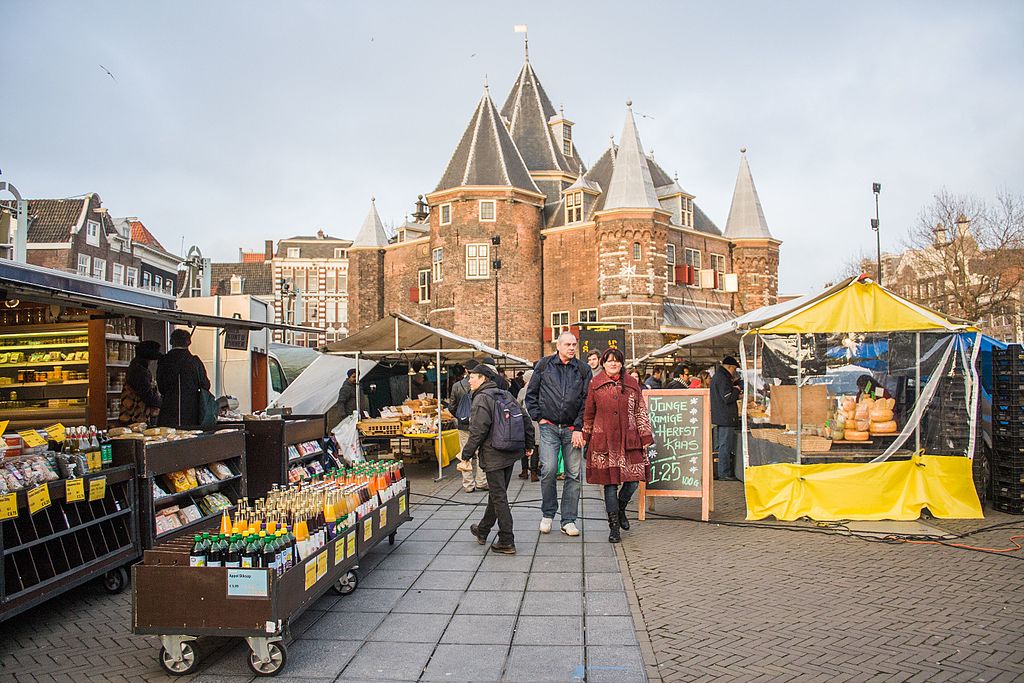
[[197, 558]]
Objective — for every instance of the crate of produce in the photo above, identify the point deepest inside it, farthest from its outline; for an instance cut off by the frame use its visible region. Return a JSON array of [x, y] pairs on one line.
[[1006, 472], [379, 427], [1013, 507]]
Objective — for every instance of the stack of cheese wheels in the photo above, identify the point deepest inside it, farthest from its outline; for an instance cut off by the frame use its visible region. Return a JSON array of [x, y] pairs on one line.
[[880, 415], [857, 428]]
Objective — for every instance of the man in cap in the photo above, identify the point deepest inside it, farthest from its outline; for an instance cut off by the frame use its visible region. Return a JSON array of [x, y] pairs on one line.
[[497, 442], [725, 415], [347, 394]]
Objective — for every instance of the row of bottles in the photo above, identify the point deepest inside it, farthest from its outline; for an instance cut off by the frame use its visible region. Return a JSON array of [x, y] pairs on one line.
[[93, 444], [275, 551]]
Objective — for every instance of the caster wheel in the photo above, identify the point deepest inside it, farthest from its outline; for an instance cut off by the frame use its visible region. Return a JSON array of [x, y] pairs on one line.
[[278, 658], [391, 539], [347, 584], [115, 580], [185, 666]]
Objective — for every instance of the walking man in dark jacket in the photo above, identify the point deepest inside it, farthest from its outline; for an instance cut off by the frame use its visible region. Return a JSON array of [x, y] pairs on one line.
[[496, 463], [725, 415], [555, 398], [180, 376]]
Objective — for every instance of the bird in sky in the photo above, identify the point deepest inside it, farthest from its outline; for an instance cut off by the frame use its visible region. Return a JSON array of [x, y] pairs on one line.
[[108, 72]]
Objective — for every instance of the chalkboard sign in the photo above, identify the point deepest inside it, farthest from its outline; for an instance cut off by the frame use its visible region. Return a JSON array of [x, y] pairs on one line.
[[601, 337], [681, 455], [236, 338]]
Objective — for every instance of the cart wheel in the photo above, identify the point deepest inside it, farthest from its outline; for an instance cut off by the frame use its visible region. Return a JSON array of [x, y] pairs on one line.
[[391, 538], [186, 665], [347, 584], [278, 658], [115, 580]]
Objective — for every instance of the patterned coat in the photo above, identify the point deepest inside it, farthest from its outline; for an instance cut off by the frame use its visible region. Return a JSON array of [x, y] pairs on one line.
[[617, 430]]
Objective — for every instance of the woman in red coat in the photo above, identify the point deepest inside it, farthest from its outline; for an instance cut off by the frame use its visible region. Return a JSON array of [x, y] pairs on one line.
[[617, 431]]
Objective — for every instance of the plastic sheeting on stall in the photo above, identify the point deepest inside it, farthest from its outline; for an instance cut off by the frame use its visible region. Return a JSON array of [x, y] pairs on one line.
[[316, 389], [897, 490]]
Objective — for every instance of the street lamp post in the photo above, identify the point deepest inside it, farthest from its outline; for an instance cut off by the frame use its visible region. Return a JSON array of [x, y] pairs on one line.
[[877, 189], [496, 265]]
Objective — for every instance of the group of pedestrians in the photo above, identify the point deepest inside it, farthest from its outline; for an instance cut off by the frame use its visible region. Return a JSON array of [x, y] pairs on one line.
[[173, 400]]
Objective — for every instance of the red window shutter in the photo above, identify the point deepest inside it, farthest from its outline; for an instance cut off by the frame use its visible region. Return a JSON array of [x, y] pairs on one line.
[[547, 334], [680, 274], [414, 295], [691, 276]]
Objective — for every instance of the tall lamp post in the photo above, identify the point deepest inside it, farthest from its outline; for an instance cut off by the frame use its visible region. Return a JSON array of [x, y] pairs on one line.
[[877, 189], [496, 265]]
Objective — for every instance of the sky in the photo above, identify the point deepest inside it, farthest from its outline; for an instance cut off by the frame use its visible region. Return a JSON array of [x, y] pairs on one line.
[[228, 123]]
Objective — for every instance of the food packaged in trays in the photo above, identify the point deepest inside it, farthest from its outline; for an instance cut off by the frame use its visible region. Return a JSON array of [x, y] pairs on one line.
[[204, 476], [189, 513], [167, 519], [296, 474], [214, 502], [178, 481], [12, 477], [158, 492], [221, 471], [315, 467]]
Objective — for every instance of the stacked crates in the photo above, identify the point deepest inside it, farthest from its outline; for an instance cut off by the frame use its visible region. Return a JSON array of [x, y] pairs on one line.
[[1008, 429]]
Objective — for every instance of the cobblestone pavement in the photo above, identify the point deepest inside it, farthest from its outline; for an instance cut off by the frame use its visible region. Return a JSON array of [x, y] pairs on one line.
[[728, 603], [436, 606]]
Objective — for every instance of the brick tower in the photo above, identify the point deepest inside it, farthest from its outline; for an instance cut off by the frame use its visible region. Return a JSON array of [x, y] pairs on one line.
[[366, 272], [755, 253]]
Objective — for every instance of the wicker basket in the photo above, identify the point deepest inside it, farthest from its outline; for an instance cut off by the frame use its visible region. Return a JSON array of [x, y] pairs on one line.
[[379, 427]]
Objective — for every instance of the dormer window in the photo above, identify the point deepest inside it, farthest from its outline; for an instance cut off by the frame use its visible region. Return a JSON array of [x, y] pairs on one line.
[[92, 233], [573, 207], [236, 284], [293, 252], [401, 235], [567, 140], [686, 209]]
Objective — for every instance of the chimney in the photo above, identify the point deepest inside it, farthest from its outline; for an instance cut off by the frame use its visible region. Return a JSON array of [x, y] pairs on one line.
[[319, 234], [268, 251]]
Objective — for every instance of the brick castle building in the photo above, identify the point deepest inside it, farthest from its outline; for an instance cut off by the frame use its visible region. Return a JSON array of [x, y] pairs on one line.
[[517, 218]]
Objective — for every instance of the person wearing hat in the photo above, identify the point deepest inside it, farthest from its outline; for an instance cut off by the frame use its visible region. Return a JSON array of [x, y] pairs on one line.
[[180, 376], [725, 414], [488, 400], [347, 394], [140, 401]]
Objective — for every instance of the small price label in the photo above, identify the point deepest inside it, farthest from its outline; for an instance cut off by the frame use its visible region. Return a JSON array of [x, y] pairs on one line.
[[401, 505], [94, 459], [3, 426], [31, 438], [9, 506], [339, 551], [351, 544], [97, 488], [321, 565], [367, 528], [38, 498], [310, 574], [56, 432], [74, 490], [383, 517]]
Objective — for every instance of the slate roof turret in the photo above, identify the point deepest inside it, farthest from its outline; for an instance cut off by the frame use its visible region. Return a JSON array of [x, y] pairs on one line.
[[372, 234], [528, 111], [746, 217], [631, 186]]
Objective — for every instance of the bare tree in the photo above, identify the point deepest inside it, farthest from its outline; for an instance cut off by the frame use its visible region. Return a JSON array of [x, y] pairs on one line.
[[856, 265], [971, 250]]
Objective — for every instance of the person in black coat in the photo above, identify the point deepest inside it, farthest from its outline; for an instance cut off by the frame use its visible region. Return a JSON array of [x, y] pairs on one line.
[[725, 414], [347, 395], [180, 376], [140, 401], [496, 464]]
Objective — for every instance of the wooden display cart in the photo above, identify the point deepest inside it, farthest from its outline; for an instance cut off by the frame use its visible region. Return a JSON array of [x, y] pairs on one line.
[[66, 543], [180, 603], [267, 442]]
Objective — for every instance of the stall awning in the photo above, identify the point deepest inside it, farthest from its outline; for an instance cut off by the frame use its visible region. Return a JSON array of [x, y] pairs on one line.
[[25, 281], [686, 319], [398, 334]]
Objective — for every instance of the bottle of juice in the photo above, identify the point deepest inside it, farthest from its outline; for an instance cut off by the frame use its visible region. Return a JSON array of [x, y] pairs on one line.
[[215, 558], [234, 556], [197, 558]]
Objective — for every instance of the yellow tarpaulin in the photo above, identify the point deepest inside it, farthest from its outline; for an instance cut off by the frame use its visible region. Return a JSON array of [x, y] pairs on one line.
[[864, 491], [860, 307], [449, 441]]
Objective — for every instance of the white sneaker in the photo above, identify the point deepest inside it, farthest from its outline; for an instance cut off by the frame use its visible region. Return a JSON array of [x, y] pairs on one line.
[[570, 529], [545, 525]]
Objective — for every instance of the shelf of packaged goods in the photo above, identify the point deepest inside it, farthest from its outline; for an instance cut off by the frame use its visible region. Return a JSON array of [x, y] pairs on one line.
[[114, 475], [305, 458], [43, 384], [200, 491], [178, 530], [43, 364], [122, 337], [34, 331], [117, 364], [26, 347], [28, 414]]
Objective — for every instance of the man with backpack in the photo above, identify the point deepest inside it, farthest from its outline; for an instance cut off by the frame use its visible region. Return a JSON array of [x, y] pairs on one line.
[[555, 398], [461, 398], [500, 433]]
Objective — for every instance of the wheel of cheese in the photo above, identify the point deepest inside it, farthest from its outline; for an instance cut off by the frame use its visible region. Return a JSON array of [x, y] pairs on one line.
[[880, 415], [883, 427], [855, 435], [861, 425]]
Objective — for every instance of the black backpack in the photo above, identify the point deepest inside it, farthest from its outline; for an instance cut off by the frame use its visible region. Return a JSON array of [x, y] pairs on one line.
[[508, 428]]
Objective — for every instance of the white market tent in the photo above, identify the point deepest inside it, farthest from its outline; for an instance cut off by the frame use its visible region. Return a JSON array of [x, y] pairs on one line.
[[316, 388], [398, 337]]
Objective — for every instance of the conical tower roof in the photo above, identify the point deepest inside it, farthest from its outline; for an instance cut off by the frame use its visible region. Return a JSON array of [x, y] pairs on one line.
[[746, 217], [528, 111], [631, 186], [486, 154], [372, 233]]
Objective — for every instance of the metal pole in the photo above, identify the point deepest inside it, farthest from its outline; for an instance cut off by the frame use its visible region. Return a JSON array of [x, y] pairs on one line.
[[875, 225], [359, 408], [440, 438], [799, 398], [917, 390], [496, 310]]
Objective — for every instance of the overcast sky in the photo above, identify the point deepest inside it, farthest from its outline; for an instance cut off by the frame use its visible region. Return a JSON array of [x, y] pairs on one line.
[[234, 122]]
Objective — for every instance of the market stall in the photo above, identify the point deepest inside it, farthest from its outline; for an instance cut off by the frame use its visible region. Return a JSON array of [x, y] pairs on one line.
[[858, 404], [400, 339]]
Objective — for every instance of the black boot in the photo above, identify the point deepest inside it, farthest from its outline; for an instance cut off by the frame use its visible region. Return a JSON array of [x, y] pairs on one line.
[[613, 525], [623, 522]]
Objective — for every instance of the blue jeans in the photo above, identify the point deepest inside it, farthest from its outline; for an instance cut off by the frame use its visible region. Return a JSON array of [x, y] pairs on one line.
[[725, 441], [552, 439]]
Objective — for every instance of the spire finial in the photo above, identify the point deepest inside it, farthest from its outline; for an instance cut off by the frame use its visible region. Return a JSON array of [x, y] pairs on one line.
[[486, 88], [676, 176], [629, 103], [743, 150], [521, 28], [373, 200]]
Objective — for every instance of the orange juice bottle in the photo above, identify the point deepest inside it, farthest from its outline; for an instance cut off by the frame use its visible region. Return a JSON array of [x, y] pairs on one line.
[[225, 524]]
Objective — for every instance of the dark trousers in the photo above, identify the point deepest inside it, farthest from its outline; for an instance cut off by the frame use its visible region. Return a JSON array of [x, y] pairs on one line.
[[531, 463], [616, 497], [497, 506]]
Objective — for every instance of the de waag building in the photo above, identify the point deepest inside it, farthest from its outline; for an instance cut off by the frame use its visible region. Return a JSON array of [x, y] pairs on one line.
[[620, 241]]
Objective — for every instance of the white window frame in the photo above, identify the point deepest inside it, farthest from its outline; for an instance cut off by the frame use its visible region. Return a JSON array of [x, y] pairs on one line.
[[559, 323], [670, 260], [718, 265], [478, 261], [493, 204], [340, 253], [147, 279], [445, 214], [423, 285], [92, 233], [587, 315], [574, 207], [686, 210], [131, 277], [638, 252], [293, 252], [84, 265], [236, 284], [330, 282], [99, 269], [117, 273], [158, 282], [692, 257], [436, 264]]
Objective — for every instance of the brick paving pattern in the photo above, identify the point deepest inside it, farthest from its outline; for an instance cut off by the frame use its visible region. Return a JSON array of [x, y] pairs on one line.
[[740, 604]]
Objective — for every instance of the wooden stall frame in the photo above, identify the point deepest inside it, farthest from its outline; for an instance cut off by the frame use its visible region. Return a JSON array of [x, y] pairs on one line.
[[706, 493]]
